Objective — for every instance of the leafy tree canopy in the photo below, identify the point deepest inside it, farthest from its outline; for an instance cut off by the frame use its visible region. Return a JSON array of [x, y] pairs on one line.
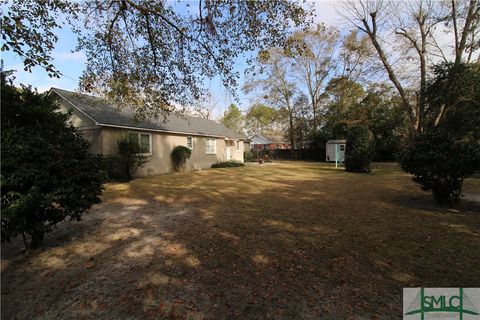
[[28, 29], [260, 119], [340, 98], [233, 118], [151, 54], [455, 89], [343, 92]]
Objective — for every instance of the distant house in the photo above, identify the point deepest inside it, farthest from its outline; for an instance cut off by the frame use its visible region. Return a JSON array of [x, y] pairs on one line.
[[102, 125], [269, 142]]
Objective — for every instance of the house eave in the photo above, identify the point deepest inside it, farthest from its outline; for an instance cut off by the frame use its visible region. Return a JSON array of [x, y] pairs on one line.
[[76, 107], [165, 131]]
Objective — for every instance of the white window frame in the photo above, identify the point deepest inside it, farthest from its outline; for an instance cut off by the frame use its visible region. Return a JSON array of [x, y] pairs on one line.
[[238, 145], [193, 144], [214, 146], [139, 134]]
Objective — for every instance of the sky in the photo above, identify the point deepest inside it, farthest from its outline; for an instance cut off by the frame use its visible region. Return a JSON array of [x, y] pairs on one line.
[[71, 65]]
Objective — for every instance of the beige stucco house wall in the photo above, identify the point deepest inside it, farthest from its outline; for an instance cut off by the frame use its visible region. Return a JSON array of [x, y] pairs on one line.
[[86, 127], [163, 144], [104, 141]]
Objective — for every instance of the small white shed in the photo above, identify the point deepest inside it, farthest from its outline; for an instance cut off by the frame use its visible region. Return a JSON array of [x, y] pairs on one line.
[[335, 150]]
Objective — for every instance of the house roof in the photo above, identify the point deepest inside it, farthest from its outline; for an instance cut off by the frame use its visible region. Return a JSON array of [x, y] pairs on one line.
[[105, 114], [268, 139], [336, 141], [276, 138], [259, 139]]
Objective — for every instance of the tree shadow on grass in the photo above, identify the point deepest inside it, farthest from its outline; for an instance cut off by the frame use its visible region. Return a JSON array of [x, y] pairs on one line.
[[244, 244]]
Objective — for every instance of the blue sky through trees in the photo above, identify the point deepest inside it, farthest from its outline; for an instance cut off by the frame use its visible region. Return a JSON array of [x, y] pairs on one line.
[[71, 64]]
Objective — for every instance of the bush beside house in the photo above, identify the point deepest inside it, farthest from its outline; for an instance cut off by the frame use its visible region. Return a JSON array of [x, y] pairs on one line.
[[123, 165], [180, 155], [47, 171]]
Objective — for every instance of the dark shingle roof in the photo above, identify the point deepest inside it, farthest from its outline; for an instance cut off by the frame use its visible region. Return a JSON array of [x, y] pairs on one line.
[[103, 113]]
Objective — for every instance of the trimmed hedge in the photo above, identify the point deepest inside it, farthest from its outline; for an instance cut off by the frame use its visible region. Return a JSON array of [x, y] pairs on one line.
[[227, 164]]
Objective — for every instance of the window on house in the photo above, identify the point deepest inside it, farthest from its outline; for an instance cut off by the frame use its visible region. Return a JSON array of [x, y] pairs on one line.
[[210, 146], [190, 143], [144, 140], [238, 145], [342, 147]]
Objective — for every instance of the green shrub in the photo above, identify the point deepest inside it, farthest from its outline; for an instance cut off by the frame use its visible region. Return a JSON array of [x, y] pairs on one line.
[[359, 150], [180, 155], [248, 155], [115, 168], [440, 163], [129, 157], [227, 164], [122, 166], [47, 172]]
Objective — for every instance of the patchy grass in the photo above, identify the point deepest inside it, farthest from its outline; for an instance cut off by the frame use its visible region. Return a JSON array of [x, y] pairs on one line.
[[288, 240]]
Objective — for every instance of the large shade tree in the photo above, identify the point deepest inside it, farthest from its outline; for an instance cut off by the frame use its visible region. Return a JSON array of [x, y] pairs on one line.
[[340, 97], [262, 119], [151, 55], [313, 56], [233, 118], [458, 86], [275, 84], [419, 29]]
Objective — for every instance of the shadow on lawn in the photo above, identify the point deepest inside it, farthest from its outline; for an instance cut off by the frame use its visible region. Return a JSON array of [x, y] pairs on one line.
[[245, 245]]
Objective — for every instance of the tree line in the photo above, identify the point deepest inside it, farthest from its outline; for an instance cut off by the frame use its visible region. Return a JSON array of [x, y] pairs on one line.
[[384, 74]]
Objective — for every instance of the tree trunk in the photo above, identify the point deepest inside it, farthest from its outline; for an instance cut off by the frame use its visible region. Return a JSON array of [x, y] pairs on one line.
[[461, 43], [391, 74], [292, 140], [314, 110]]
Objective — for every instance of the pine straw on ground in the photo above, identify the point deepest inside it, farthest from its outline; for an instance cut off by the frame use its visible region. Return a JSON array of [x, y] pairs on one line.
[[290, 240]]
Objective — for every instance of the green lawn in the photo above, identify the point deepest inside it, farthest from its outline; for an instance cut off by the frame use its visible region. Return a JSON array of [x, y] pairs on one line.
[[290, 240]]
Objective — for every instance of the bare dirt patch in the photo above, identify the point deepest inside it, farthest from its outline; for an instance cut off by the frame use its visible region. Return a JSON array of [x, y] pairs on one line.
[[290, 241]]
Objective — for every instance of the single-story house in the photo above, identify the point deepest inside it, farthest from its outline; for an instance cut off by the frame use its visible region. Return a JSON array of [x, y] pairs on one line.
[[269, 142], [102, 124], [335, 150]]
